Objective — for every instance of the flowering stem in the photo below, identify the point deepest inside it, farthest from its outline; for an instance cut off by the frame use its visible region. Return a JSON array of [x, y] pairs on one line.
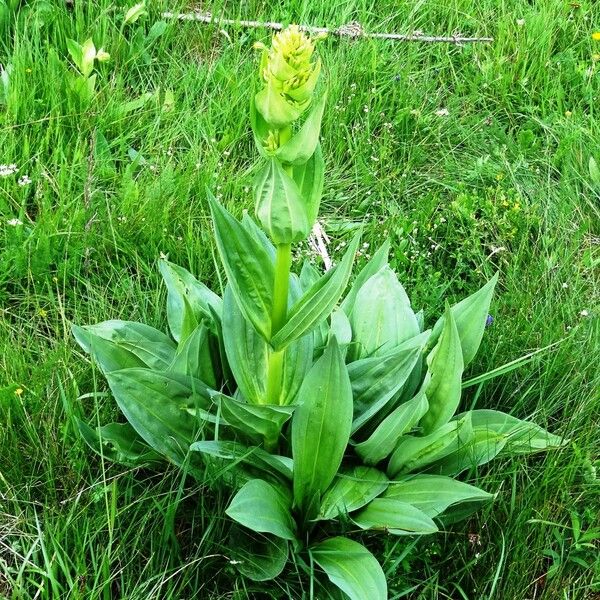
[[283, 264]]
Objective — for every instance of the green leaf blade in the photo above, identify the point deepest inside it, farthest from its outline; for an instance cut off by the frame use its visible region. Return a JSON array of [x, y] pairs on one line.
[[395, 517], [158, 407], [248, 266], [321, 426], [376, 380], [117, 344], [317, 303], [401, 420], [301, 146], [279, 205], [433, 494], [188, 300], [470, 316], [351, 490], [444, 387], [261, 507], [351, 567]]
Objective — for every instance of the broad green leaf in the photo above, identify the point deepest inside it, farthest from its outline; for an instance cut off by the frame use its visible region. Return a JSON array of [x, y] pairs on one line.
[[134, 13], [351, 567], [194, 357], [410, 388], [420, 316], [458, 512], [158, 28], [120, 443], [317, 303], [445, 366], [395, 517], [401, 420], [186, 294], [274, 108], [263, 508], [249, 268], [376, 380], [247, 351], [470, 316], [522, 437], [340, 327], [76, 51], [259, 235], [351, 490], [309, 178], [88, 55], [433, 494], [309, 275], [119, 344], [483, 446], [414, 452], [302, 145], [260, 128], [279, 204], [377, 262], [248, 456], [381, 317], [158, 407], [258, 422], [257, 556], [321, 426], [248, 355], [217, 348]]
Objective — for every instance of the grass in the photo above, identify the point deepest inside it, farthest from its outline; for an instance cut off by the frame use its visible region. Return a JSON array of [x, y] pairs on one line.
[[500, 182]]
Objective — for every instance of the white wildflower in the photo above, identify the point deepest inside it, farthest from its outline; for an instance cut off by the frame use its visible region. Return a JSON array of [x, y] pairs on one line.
[[6, 170], [14, 222], [520, 22], [24, 180], [442, 112]]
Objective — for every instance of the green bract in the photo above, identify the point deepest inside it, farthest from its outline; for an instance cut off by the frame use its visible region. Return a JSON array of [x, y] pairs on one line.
[[326, 403]]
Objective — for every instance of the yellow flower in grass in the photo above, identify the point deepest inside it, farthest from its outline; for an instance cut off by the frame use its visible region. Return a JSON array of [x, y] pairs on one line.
[[596, 36]]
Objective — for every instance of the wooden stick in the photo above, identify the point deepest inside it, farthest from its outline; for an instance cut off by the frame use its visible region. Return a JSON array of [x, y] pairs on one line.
[[352, 30]]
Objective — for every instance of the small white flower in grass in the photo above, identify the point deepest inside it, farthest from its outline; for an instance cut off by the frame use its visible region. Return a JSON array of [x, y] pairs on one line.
[[565, 285], [6, 170], [442, 112], [520, 22], [14, 222], [584, 313], [24, 180]]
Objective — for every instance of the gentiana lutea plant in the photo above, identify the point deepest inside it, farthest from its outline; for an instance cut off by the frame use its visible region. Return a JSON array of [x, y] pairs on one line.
[[328, 409]]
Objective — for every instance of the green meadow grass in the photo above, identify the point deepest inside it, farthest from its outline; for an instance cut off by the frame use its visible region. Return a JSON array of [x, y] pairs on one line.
[[471, 158]]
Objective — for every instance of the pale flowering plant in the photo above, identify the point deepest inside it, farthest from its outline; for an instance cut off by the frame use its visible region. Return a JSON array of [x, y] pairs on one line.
[[330, 403], [86, 58]]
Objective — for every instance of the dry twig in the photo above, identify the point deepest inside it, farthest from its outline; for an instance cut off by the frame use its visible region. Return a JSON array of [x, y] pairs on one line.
[[351, 30]]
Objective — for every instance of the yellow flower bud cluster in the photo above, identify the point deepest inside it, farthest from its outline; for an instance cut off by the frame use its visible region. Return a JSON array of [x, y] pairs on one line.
[[289, 74]]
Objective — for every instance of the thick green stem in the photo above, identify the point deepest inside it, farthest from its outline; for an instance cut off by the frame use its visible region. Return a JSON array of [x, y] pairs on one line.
[[283, 264]]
